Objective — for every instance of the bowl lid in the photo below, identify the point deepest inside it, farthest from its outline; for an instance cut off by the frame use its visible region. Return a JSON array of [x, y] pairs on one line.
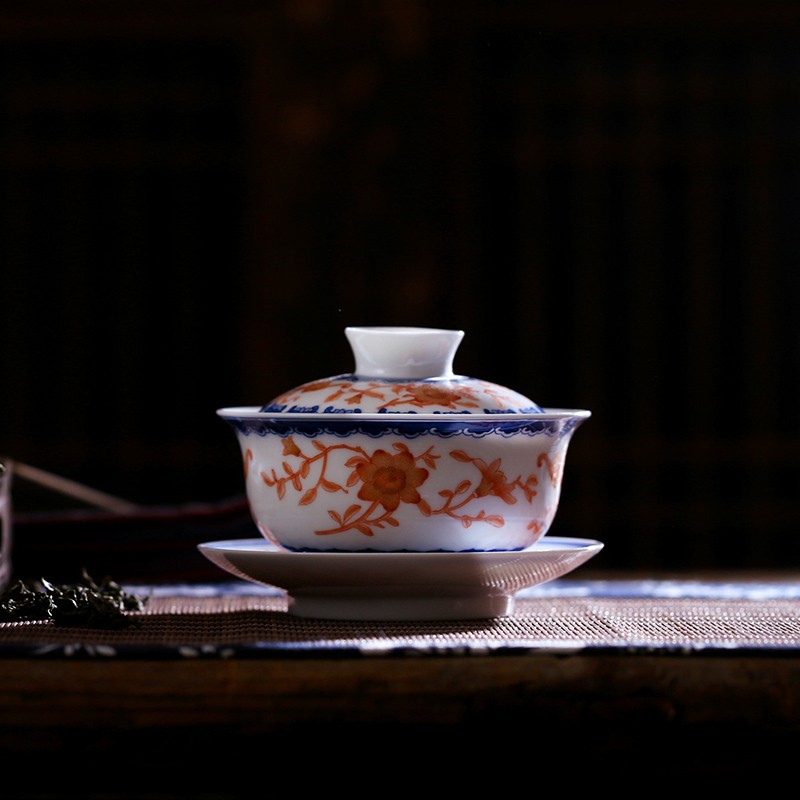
[[401, 370]]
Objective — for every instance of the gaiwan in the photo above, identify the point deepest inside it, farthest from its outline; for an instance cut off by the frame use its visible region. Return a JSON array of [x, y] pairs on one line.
[[402, 454]]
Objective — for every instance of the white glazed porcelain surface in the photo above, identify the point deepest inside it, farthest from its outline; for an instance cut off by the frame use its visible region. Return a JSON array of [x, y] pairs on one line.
[[403, 353], [405, 456], [400, 586]]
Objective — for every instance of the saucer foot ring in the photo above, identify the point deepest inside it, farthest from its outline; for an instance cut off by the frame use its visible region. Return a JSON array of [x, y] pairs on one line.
[[393, 609]]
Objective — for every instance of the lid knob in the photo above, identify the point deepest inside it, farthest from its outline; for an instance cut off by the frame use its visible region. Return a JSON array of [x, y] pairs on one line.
[[397, 352]]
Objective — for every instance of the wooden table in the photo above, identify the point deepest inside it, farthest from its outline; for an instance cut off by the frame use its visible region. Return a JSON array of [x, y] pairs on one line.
[[600, 680]]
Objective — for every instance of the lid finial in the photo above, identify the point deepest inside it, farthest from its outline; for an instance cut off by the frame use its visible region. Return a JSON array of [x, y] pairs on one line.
[[397, 352]]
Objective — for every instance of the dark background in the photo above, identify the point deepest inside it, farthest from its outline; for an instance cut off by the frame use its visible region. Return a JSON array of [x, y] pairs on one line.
[[197, 198]]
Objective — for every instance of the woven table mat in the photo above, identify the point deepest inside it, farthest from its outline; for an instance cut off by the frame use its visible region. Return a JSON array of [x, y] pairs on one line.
[[252, 624]]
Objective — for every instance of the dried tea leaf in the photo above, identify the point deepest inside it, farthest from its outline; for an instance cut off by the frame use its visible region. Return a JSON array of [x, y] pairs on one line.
[[87, 603]]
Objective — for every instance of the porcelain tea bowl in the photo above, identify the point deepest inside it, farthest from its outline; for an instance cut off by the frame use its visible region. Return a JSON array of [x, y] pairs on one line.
[[403, 455]]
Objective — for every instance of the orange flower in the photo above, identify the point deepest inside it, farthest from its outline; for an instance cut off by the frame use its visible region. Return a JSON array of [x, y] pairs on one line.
[[390, 479], [426, 395], [493, 481]]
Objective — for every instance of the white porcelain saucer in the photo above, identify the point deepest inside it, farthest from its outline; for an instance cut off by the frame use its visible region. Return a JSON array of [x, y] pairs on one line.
[[400, 586]]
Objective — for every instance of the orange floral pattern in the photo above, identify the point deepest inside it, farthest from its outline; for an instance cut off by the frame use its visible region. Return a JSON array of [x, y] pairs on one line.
[[442, 395], [423, 395], [389, 479], [385, 480]]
